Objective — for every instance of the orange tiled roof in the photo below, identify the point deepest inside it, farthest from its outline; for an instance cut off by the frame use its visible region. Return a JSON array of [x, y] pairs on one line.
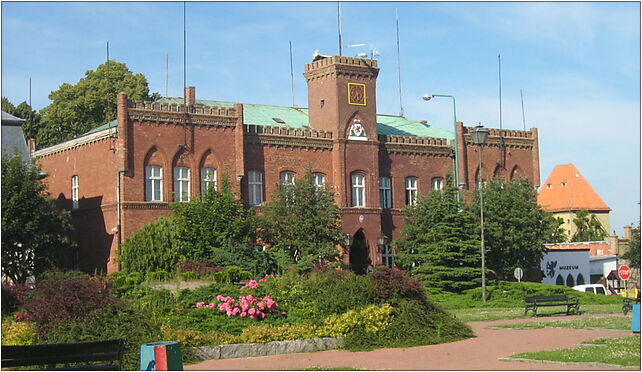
[[566, 189]]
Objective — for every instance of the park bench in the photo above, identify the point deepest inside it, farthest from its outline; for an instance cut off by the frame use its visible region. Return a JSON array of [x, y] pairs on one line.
[[533, 302], [80, 356]]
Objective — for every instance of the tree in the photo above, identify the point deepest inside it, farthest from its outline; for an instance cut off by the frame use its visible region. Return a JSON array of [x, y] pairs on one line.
[[633, 253], [588, 228], [515, 227], [439, 242], [91, 102], [302, 224], [151, 248], [216, 227], [35, 233], [32, 124]]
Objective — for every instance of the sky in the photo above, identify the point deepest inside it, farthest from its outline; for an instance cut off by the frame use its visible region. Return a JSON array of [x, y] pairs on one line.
[[577, 65]]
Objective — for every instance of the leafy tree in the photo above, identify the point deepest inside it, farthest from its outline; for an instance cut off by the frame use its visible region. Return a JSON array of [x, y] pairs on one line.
[[589, 228], [35, 233], [439, 242], [302, 224], [32, 123], [633, 253], [515, 227], [91, 102], [556, 233], [217, 228]]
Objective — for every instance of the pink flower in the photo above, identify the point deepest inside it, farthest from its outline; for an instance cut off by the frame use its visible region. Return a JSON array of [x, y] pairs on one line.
[[243, 314], [200, 304], [261, 305], [249, 298], [211, 305], [251, 311]]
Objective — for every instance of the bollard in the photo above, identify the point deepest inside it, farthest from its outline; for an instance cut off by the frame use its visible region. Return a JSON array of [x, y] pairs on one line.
[[635, 318], [161, 356]]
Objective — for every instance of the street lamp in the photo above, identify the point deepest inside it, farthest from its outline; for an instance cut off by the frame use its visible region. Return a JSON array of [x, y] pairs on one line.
[[428, 97], [348, 239], [479, 136]]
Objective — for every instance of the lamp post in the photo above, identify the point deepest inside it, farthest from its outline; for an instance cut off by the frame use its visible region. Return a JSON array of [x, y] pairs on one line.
[[479, 136], [428, 97]]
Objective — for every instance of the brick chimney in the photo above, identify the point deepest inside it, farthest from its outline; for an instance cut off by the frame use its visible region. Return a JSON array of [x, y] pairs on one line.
[[627, 232], [31, 145], [190, 96]]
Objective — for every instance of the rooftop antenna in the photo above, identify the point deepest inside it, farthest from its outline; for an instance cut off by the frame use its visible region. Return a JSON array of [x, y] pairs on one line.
[[292, 75], [499, 58], [167, 75], [339, 24], [399, 64], [523, 117]]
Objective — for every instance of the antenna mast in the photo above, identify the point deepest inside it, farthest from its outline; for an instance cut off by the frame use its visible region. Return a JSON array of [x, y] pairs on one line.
[[184, 57], [339, 24], [167, 75], [499, 58], [523, 117], [399, 64], [292, 75]]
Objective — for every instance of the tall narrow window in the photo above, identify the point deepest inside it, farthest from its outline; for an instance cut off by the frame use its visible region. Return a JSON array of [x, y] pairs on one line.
[[208, 180], [181, 184], [255, 183], [287, 178], [318, 180], [74, 192], [385, 192], [358, 190], [411, 190], [388, 256], [153, 183], [437, 183]]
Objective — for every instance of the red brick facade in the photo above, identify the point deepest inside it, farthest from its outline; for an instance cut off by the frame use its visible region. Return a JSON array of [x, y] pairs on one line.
[[342, 140]]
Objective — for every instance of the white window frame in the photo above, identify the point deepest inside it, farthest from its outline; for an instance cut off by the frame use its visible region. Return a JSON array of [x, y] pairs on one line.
[[75, 192], [437, 183], [153, 183], [318, 180], [287, 178], [388, 255], [255, 187], [385, 192], [208, 180], [181, 184], [358, 190], [411, 190]]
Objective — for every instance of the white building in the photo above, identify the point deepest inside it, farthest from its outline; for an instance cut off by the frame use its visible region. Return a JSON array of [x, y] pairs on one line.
[[568, 267]]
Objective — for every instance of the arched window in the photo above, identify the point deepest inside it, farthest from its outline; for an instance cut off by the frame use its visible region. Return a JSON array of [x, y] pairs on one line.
[[358, 190], [516, 173], [570, 282], [437, 183], [411, 190], [580, 279], [559, 280], [181, 184], [287, 178], [385, 192], [318, 180], [208, 180], [153, 183]]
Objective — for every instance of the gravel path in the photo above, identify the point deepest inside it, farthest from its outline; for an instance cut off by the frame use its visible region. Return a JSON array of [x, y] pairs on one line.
[[482, 352]]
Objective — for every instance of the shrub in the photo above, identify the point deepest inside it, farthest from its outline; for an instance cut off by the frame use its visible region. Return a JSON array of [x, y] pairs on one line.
[[188, 275], [285, 332], [19, 333], [232, 274], [373, 319], [200, 268], [155, 302], [160, 275], [188, 297], [205, 320], [394, 284], [125, 282], [191, 338], [62, 297], [13, 296], [151, 248], [117, 320]]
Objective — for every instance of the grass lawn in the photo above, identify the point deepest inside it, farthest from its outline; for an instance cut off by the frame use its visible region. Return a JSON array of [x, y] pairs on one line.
[[609, 322], [623, 351], [497, 313]]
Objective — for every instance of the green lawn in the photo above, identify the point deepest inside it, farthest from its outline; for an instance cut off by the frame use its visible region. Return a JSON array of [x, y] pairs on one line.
[[497, 313], [610, 322], [623, 351]]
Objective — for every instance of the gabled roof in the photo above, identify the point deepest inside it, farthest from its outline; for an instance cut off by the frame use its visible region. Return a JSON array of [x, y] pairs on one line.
[[296, 117], [566, 189]]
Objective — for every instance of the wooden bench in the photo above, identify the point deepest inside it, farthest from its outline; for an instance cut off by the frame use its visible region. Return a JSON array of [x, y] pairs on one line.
[[108, 352], [532, 303]]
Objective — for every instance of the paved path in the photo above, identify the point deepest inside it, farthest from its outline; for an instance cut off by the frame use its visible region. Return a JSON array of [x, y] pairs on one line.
[[478, 353]]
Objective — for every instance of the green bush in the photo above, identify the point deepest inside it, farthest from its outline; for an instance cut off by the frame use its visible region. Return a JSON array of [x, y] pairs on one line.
[[373, 319], [232, 274], [204, 320], [126, 282], [152, 248], [19, 333], [191, 338], [114, 321], [285, 332], [160, 276], [187, 298]]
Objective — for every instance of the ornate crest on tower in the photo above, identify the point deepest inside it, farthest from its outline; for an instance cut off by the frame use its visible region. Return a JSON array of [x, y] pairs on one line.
[[357, 131]]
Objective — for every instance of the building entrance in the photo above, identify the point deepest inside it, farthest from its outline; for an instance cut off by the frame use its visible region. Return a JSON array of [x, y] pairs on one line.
[[359, 253]]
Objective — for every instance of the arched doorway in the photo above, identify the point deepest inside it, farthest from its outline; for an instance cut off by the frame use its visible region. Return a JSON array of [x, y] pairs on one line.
[[559, 280], [570, 282], [359, 253], [580, 279]]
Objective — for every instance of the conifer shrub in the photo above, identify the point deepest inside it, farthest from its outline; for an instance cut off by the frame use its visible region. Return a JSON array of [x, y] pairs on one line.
[[394, 284]]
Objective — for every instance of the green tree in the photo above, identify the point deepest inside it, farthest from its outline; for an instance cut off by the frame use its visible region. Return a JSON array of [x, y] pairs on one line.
[[302, 224], [439, 242], [35, 233], [217, 227], [33, 122], [515, 226], [152, 248], [556, 233], [633, 253], [589, 228], [91, 102]]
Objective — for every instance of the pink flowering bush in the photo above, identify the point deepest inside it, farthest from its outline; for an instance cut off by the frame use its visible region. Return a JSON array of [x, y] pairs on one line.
[[254, 284], [254, 307]]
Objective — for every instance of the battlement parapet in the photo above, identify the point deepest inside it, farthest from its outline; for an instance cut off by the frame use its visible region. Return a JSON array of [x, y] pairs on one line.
[[505, 133], [180, 108], [343, 60], [428, 141], [289, 132]]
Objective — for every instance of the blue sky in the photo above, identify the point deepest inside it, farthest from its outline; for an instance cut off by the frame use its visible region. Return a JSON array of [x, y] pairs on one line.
[[578, 64]]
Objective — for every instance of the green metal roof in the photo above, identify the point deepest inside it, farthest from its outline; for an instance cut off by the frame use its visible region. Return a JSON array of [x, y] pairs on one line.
[[295, 117]]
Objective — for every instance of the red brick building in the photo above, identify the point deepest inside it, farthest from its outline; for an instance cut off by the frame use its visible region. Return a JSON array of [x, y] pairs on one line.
[[126, 173]]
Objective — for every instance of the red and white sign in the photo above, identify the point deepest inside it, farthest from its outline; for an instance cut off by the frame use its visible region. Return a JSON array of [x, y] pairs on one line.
[[624, 272]]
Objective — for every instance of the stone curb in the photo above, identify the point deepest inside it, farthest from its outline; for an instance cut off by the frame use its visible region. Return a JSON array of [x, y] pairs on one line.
[[231, 351]]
